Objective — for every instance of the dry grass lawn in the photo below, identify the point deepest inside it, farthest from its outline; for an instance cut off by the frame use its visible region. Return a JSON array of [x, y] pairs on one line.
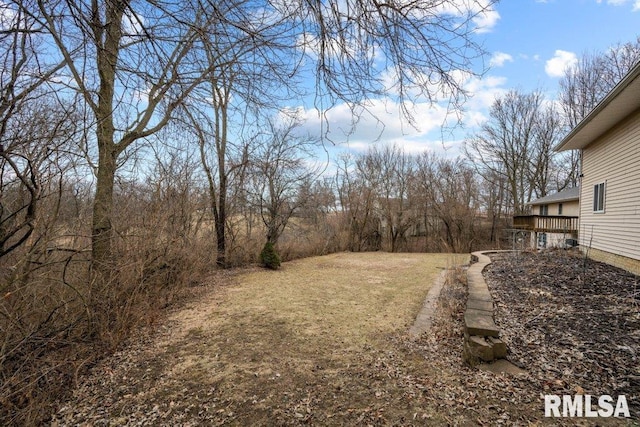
[[285, 344], [304, 343]]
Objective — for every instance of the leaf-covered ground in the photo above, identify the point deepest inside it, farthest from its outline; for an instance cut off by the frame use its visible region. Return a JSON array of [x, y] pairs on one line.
[[322, 342], [572, 323]]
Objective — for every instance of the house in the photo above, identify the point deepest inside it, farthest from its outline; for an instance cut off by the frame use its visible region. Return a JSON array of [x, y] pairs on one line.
[[553, 221], [609, 141]]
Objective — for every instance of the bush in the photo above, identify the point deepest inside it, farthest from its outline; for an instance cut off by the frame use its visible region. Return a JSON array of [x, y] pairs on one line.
[[269, 257]]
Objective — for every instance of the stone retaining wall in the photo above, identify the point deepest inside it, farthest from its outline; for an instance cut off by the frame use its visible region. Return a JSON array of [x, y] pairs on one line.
[[482, 341]]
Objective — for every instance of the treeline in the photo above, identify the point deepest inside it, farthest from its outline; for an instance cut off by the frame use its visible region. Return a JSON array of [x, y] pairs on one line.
[[143, 144]]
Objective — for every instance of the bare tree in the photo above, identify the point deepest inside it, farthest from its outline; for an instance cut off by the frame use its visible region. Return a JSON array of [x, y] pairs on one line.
[[514, 146], [246, 80], [543, 171], [450, 189], [130, 64], [423, 46], [27, 135], [394, 169], [279, 171], [494, 199], [213, 141], [358, 188], [583, 86]]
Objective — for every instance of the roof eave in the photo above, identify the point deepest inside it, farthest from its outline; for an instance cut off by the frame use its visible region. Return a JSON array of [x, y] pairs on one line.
[[621, 101]]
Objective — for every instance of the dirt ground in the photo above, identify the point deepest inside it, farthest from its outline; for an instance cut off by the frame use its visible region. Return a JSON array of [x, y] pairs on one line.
[[324, 341]]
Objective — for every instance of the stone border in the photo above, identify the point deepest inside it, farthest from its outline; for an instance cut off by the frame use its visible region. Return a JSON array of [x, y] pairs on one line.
[[424, 319], [481, 335]]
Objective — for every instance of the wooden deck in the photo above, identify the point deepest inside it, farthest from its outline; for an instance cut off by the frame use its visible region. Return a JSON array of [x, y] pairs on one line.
[[546, 224]]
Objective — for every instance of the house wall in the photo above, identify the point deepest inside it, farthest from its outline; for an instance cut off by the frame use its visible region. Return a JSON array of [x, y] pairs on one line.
[[629, 264], [569, 208], [615, 160], [554, 240]]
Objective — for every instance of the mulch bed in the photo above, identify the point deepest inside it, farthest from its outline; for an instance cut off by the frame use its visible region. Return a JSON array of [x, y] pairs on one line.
[[573, 324]]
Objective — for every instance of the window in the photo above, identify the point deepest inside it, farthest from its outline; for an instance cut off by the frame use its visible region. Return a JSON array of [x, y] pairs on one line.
[[598, 197], [542, 240], [544, 210], [559, 208]]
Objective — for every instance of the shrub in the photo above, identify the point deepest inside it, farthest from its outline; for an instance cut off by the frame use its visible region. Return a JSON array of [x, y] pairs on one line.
[[269, 257]]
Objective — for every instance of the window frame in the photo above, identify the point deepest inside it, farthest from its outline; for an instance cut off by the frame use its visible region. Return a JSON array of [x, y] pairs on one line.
[[599, 197]]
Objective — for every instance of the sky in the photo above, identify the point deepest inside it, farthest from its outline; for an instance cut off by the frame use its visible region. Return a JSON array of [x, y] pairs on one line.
[[528, 42]]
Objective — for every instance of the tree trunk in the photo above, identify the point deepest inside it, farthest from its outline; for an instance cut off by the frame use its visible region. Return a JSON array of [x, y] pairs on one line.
[[220, 223], [107, 39], [102, 232]]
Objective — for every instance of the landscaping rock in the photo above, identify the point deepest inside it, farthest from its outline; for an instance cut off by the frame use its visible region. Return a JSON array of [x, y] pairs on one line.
[[478, 348], [476, 304], [499, 347], [479, 323]]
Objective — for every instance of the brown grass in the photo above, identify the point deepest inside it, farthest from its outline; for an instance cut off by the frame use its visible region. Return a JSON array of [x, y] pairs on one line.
[[322, 307], [305, 342]]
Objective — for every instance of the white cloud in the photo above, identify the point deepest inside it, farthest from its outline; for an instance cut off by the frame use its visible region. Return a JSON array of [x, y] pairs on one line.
[[484, 91], [356, 128], [562, 59], [481, 12], [486, 20], [498, 59], [380, 121], [636, 3]]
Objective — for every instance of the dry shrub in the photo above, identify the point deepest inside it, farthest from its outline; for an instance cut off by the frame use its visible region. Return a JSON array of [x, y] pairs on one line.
[[58, 317], [301, 238], [43, 331], [305, 239], [244, 251]]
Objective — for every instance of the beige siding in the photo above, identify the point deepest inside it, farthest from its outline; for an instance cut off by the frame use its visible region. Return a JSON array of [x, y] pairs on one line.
[[615, 160], [570, 208]]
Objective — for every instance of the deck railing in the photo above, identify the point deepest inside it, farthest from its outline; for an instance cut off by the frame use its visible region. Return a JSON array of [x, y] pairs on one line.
[[546, 223]]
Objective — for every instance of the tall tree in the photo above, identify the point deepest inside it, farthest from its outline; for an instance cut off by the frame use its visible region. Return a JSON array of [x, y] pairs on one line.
[[513, 147], [130, 63], [502, 146], [280, 173], [133, 62], [449, 189], [358, 183], [584, 85], [394, 170], [249, 76]]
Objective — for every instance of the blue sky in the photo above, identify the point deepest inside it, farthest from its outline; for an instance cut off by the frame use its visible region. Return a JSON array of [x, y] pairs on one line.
[[531, 32], [529, 43]]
